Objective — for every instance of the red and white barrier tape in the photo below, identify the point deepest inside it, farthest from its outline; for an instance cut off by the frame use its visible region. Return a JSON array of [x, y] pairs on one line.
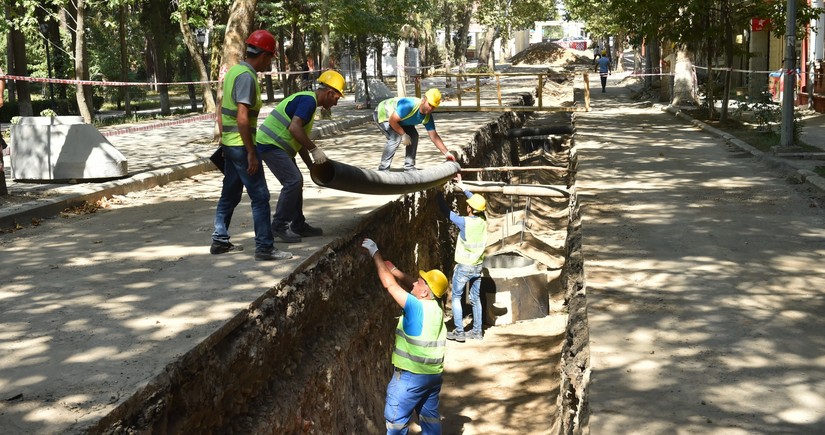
[[127, 130]]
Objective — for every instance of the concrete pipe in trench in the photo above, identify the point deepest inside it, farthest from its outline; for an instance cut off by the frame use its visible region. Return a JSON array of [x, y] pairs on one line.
[[541, 131], [340, 176]]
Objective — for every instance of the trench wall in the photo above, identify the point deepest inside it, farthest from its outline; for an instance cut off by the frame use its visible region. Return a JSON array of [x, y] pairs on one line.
[[313, 353]]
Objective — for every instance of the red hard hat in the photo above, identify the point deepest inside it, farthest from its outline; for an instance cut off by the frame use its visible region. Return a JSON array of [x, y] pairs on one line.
[[263, 40]]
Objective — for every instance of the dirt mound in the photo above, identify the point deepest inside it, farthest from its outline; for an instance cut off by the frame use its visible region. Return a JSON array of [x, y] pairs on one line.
[[549, 53]]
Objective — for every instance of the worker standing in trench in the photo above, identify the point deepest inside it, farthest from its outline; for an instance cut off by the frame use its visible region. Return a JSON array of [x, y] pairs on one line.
[[285, 133], [420, 342], [397, 118], [469, 255]]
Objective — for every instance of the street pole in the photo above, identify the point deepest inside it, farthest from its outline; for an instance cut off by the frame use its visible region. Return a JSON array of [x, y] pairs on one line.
[[786, 134]]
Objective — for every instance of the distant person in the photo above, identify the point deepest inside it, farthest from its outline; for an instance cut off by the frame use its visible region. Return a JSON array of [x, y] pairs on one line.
[[397, 118], [420, 342], [240, 105], [285, 133], [596, 52], [469, 254], [603, 68]]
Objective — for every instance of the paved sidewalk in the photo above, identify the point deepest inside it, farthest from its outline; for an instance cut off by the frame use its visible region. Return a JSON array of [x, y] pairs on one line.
[[185, 148]]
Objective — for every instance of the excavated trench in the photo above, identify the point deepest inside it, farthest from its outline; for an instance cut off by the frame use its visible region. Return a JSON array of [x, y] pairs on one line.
[[312, 354]]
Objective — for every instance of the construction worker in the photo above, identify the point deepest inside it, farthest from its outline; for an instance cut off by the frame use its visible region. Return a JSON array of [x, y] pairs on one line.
[[469, 254], [397, 118], [240, 104], [420, 342], [285, 133]]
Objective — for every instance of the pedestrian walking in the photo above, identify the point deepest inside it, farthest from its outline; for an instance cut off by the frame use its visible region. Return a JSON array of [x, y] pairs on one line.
[[469, 255], [240, 105], [285, 133], [418, 358], [603, 68], [397, 118]]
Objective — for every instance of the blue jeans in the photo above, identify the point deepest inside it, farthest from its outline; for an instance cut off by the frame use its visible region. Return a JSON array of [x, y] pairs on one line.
[[393, 141], [289, 209], [462, 274], [408, 392], [234, 180]]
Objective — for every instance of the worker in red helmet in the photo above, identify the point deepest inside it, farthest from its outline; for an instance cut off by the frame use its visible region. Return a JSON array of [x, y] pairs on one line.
[[240, 104]]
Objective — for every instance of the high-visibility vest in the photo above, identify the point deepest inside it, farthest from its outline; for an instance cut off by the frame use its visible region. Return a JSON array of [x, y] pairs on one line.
[[387, 107], [470, 252], [423, 354], [275, 129], [230, 135]]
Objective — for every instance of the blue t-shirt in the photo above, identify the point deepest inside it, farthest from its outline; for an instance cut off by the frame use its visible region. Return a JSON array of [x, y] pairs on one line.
[[406, 105], [604, 64], [303, 107], [413, 316]]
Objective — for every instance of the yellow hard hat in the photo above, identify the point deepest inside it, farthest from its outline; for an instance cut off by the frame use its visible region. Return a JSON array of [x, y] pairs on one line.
[[477, 202], [604, 52], [436, 280], [334, 80], [433, 97]]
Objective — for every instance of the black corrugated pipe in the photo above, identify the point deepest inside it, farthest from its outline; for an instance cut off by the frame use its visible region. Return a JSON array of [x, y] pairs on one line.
[[340, 176], [540, 131]]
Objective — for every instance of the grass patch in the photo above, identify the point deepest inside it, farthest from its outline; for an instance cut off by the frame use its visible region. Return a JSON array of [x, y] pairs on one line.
[[749, 133]]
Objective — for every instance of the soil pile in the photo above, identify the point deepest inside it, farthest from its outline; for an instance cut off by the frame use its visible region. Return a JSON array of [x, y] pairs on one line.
[[550, 53]]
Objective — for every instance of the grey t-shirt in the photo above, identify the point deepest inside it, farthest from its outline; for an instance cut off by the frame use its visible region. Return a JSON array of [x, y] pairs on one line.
[[244, 91]]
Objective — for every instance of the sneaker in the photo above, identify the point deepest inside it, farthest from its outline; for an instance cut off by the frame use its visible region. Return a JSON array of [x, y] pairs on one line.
[[308, 230], [456, 336], [473, 335], [223, 248], [274, 254], [287, 236]]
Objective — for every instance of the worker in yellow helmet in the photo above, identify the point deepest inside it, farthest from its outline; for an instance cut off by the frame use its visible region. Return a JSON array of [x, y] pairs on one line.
[[397, 118], [469, 256], [285, 133], [420, 342]]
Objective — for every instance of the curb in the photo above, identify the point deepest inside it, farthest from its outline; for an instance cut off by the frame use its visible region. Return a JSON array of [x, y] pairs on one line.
[[807, 176], [86, 192]]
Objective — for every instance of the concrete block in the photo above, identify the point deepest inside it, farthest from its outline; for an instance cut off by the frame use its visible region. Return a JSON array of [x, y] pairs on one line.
[[62, 148], [378, 92]]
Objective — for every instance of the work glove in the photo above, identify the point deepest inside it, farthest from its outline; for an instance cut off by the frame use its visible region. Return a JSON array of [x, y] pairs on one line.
[[318, 156], [370, 246], [406, 140]]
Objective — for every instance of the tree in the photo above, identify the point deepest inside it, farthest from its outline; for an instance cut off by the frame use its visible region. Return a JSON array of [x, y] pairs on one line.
[[83, 93], [501, 17]]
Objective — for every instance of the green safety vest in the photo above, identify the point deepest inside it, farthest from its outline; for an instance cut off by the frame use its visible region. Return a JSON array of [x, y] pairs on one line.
[[470, 252], [387, 107], [229, 109], [275, 129], [423, 354]]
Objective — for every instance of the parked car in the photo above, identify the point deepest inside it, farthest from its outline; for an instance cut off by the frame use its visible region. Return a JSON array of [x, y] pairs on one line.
[[574, 42]]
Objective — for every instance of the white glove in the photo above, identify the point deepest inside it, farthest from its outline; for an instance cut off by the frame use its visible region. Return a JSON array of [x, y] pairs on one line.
[[406, 139], [370, 246], [318, 156]]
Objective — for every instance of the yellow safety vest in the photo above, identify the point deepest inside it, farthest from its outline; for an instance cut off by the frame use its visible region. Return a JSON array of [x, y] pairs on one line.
[[275, 129], [423, 354], [387, 107], [230, 135], [470, 252]]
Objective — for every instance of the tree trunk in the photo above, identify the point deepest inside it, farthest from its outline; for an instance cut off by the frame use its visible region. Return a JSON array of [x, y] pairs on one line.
[[81, 65], [723, 115], [124, 61], [18, 41], [461, 34], [400, 70], [195, 54], [684, 81], [485, 55], [361, 46], [238, 27]]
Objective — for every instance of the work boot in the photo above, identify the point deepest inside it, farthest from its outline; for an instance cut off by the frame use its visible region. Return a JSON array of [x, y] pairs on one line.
[[456, 336], [223, 248], [308, 230], [274, 254], [474, 335], [287, 235]]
